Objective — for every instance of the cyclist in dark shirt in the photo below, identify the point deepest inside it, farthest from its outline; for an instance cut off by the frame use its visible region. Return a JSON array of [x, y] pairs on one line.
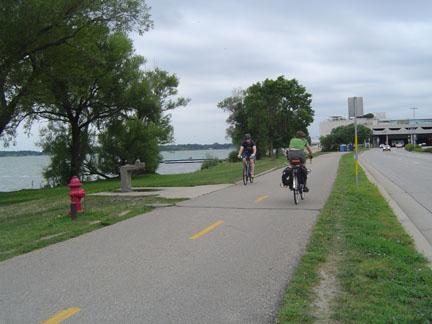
[[248, 148]]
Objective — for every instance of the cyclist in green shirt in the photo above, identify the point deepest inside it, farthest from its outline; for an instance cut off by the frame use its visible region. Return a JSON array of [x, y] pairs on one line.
[[297, 146], [296, 150]]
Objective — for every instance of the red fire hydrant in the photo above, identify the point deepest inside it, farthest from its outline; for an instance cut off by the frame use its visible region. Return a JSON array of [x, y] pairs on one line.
[[76, 193]]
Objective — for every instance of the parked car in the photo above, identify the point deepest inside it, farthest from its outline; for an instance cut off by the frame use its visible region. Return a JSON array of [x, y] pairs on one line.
[[386, 148], [399, 145], [381, 145]]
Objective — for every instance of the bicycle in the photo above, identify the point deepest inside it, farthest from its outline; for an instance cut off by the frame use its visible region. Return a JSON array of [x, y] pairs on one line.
[[247, 172], [297, 187]]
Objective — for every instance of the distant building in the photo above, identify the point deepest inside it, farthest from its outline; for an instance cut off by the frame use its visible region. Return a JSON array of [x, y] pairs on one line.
[[386, 130], [403, 131], [380, 115]]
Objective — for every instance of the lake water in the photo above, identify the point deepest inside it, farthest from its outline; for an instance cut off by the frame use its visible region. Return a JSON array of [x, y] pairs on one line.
[[25, 172]]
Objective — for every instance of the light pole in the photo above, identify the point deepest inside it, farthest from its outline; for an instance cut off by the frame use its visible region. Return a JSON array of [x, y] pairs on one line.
[[413, 140], [355, 141]]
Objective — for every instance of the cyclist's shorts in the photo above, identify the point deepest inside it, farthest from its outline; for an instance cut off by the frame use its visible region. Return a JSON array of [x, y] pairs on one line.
[[297, 154], [248, 156]]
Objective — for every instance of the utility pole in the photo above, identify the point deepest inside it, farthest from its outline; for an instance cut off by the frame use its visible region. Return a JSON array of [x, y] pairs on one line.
[[413, 139], [355, 141], [355, 105]]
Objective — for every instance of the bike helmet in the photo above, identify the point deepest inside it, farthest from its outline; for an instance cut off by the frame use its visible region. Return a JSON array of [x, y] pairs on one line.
[[247, 136], [300, 134]]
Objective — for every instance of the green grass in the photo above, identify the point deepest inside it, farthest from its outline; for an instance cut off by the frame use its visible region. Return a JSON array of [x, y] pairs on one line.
[[27, 226], [382, 278], [27, 216]]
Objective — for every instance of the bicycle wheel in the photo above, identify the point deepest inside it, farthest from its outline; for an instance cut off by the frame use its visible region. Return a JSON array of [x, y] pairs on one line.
[[295, 189], [250, 176], [245, 174]]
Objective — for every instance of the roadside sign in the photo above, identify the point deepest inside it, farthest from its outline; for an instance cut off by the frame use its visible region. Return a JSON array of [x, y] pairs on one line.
[[355, 107]]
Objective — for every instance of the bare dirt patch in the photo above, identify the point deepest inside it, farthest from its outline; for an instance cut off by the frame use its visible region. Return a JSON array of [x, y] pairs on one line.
[[326, 291]]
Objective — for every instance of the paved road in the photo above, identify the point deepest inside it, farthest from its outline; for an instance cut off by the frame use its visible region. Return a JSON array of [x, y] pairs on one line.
[[407, 177], [147, 269]]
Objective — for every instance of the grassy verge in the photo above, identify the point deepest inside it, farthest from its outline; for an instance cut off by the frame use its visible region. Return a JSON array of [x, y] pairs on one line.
[[31, 219], [381, 277], [31, 225], [412, 148]]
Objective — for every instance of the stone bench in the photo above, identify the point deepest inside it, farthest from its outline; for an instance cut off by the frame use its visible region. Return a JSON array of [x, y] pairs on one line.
[[126, 174]]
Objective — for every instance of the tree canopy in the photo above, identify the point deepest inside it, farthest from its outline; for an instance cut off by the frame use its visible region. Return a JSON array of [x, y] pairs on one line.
[[71, 65], [30, 28], [85, 82], [103, 110], [271, 111]]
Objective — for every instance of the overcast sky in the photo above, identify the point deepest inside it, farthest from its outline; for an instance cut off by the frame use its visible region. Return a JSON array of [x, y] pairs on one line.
[[381, 50]]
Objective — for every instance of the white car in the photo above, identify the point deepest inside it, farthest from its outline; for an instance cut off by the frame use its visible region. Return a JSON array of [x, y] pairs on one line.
[[386, 148], [399, 145]]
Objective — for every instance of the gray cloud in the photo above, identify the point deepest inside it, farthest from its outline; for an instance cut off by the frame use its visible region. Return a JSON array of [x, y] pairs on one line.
[[376, 49]]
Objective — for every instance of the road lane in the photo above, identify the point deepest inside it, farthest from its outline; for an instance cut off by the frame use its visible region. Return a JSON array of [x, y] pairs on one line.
[[147, 269], [408, 181]]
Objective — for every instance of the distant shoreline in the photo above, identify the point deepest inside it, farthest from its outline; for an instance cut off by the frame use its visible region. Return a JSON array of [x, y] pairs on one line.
[[196, 147], [21, 153], [166, 148]]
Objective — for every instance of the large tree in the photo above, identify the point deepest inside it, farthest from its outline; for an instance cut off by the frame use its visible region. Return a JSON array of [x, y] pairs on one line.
[[85, 83], [29, 28], [98, 87], [271, 111]]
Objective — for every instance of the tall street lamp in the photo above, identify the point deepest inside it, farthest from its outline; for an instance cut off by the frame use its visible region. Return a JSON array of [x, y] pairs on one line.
[[413, 140]]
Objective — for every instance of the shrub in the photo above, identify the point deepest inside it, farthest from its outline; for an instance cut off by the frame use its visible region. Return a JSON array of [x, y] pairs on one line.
[[409, 147], [428, 150], [232, 157], [418, 149], [210, 162]]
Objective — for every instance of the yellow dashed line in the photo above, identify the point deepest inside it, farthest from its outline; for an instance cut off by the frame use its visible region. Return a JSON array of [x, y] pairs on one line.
[[205, 231], [261, 198], [61, 316]]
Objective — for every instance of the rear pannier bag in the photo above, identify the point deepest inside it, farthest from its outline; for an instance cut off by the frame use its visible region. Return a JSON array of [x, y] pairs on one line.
[[287, 177]]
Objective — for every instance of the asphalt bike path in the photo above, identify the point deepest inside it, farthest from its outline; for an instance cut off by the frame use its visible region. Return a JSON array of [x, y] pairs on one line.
[[224, 257]]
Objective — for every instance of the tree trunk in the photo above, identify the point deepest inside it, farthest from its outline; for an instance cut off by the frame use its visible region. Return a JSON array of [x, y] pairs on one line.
[[271, 151], [75, 151], [6, 115]]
